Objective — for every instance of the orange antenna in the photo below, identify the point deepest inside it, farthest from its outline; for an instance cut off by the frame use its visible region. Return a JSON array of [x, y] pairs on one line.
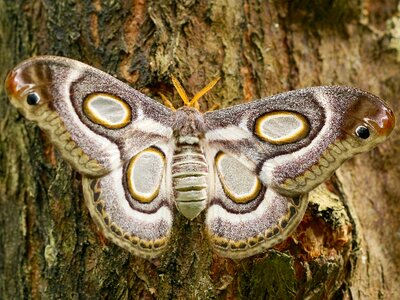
[[195, 99], [180, 90], [203, 91]]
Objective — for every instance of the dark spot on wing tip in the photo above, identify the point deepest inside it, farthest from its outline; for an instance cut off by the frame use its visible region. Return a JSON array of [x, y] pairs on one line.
[[32, 99], [362, 132]]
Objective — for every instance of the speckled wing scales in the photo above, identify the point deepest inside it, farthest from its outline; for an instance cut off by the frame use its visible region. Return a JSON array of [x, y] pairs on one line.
[[95, 120], [132, 204], [110, 133], [244, 216], [249, 166], [268, 154], [295, 140], [283, 126]]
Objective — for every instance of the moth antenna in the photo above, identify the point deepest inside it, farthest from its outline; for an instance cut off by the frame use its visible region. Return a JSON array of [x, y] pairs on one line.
[[167, 103], [180, 90], [204, 90]]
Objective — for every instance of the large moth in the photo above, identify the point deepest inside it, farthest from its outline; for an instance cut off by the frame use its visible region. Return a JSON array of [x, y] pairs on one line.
[[248, 167]]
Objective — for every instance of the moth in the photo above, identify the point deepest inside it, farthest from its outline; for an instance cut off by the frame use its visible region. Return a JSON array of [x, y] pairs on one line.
[[248, 167]]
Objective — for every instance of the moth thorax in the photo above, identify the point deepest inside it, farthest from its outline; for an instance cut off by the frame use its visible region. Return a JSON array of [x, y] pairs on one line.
[[189, 177]]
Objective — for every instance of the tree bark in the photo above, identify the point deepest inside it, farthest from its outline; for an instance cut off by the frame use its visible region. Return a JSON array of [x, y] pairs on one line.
[[347, 245]]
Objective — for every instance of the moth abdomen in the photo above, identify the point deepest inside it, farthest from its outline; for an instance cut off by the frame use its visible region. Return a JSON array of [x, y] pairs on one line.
[[189, 177]]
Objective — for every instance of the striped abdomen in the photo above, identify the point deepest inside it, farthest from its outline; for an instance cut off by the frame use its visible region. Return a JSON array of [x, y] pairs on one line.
[[189, 178]]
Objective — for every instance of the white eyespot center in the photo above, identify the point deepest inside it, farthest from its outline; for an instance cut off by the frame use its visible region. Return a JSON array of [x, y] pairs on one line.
[[240, 184], [145, 173], [281, 127], [107, 110]]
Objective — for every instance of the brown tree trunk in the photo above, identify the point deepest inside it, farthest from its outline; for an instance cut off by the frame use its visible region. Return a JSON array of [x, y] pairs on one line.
[[347, 246]]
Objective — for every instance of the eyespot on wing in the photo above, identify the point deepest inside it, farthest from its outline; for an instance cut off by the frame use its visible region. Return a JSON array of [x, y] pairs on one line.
[[281, 127], [107, 110], [371, 112], [28, 78]]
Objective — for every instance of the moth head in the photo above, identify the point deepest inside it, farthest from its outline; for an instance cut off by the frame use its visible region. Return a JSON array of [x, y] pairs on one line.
[[369, 121], [27, 87]]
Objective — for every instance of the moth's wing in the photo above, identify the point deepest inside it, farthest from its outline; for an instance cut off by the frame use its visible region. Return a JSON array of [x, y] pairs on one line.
[[244, 216], [96, 121], [295, 140], [266, 155], [132, 204]]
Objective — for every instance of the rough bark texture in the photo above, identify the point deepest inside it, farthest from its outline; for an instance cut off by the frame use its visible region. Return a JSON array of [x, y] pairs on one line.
[[347, 245]]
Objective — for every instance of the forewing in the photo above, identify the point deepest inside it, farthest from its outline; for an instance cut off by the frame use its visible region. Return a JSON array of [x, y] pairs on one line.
[[295, 140], [95, 120]]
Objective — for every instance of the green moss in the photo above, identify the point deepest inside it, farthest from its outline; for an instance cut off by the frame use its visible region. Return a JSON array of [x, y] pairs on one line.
[[328, 206], [273, 277]]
